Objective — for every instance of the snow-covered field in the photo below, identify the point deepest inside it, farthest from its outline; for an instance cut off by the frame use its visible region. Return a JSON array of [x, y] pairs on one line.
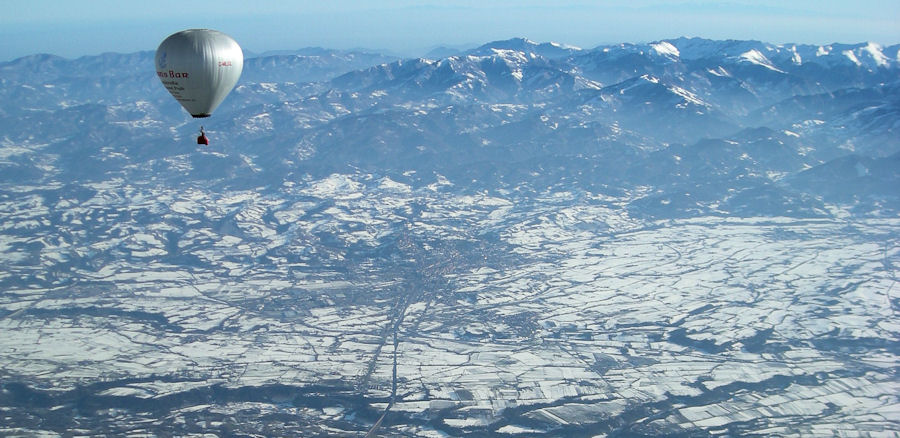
[[685, 237], [344, 297]]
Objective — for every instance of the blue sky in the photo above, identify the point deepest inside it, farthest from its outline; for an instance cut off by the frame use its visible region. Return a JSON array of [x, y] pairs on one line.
[[76, 28]]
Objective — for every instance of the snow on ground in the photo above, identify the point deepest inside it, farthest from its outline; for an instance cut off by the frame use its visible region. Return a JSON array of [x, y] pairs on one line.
[[756, 57], [665, 48], [572, 307]]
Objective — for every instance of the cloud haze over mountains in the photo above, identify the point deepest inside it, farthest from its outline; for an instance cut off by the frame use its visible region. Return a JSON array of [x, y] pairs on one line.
[[688, 236]]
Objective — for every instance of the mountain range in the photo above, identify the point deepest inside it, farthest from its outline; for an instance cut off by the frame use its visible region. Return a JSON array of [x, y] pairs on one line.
[[666, 113], [686, 237]]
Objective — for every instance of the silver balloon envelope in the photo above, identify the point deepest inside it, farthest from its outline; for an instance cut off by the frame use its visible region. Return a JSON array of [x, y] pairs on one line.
[[199, 67]]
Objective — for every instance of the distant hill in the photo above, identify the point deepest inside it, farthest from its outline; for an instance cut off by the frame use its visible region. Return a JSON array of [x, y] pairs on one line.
[[688, 115]]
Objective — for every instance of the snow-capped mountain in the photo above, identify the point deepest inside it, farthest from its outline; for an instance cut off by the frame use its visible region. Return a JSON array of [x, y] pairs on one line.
[[524, 45], [308, 65], [684, 237]]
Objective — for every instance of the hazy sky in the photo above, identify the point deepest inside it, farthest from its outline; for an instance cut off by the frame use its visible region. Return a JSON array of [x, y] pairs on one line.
[[75, 28]]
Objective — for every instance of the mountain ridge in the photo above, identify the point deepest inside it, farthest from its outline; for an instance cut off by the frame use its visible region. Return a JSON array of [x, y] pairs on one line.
[[289, 107], [621, 242]]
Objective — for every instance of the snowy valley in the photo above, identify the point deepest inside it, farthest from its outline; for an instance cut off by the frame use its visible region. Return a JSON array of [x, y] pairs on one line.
[[687, 237]]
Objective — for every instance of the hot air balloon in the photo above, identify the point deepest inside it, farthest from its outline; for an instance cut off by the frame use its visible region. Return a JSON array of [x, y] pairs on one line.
[[199, 67]]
